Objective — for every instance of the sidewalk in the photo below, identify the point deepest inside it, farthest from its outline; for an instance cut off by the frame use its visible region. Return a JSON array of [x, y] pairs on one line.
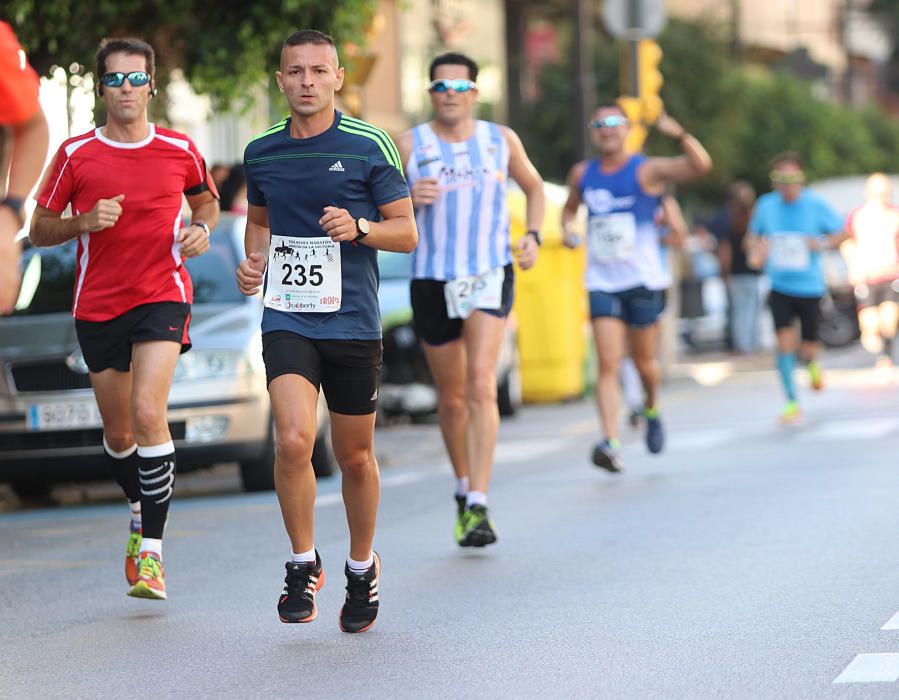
[[709, 369]]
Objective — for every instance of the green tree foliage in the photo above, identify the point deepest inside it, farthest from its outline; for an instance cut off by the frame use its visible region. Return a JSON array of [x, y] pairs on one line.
[[224, 47], [744, 116]]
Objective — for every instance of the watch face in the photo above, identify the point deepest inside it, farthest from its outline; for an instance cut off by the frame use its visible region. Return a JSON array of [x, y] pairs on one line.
[[363, 225]]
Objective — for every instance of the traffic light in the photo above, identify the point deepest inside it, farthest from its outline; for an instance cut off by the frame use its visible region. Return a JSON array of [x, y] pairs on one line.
[[637, 132], [649, 80]]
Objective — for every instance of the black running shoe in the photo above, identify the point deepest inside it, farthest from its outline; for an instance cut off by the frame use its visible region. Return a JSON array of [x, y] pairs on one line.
[[476, 530], [655, 435], [361, 606], [606, 457], [303, 581]]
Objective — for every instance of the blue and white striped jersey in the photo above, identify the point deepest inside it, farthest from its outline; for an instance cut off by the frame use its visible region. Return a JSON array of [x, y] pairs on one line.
[[466, 231]]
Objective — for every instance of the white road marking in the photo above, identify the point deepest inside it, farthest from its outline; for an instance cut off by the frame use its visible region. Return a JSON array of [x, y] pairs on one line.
[[330, 499], [892, 623], [701, 439], [852, 429], [526, 450], [871, 668]]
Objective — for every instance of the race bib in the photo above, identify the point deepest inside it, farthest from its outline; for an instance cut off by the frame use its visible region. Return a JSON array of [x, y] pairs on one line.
[[465, 294], [612, 236], [304, 275], [789, 251]]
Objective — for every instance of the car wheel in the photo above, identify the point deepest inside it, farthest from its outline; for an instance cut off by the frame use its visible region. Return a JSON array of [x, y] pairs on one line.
[[259, 474], [323, 460], [838, 328], [508, 392], [31, 490]]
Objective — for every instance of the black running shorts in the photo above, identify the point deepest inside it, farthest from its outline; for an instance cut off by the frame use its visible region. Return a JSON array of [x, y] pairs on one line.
[[349, 371], [873, 295], [107, 344], [786, 308], [429, 316]]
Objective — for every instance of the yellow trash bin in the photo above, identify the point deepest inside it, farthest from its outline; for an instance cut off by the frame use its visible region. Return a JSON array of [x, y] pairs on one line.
[[551, 307]]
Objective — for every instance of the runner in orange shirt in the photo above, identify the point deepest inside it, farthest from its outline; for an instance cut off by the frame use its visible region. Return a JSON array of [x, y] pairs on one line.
[[29, 137]]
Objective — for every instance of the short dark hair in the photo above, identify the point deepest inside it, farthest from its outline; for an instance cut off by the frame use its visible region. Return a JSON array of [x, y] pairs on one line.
[[308, 36], [455, 59], [134, 47], [788, 157], [610, 104]]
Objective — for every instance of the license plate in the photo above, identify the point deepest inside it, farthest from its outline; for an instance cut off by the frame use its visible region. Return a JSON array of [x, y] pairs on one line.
[[64, 415]]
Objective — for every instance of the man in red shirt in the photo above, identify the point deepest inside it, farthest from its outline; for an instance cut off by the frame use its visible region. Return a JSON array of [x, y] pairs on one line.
[[28, 135], [125, 182]]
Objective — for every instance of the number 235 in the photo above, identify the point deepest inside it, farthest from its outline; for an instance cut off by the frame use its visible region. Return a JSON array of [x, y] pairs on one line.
[[300, 275]]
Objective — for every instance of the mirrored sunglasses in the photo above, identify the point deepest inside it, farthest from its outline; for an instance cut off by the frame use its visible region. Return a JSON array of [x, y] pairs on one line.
[[459, 85], [137, 78], [614, 120], [779, 177]]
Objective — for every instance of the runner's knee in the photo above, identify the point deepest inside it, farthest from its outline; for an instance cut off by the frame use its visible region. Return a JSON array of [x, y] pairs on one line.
[[452, 404], [149, 415], [293, 447], [358, 463], [482, 388]]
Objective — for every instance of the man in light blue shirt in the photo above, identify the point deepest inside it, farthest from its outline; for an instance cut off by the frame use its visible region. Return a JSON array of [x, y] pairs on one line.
[[789, 228]]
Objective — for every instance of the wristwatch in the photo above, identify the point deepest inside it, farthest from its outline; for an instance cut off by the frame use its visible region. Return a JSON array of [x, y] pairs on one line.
[[202, 225], [17, 205], [363, 227], [536, 234]]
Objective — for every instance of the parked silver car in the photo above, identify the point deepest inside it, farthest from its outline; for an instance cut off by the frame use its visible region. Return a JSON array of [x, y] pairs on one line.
[[219, 411]]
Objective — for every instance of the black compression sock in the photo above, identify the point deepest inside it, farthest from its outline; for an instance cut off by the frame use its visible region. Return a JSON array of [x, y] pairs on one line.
[[123, 466], [157, 477]]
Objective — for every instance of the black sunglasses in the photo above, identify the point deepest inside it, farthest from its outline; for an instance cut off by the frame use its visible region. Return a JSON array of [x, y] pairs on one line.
[[137, 78]]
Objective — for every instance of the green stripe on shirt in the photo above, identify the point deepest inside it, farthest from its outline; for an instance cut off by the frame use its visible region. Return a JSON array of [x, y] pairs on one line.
[[365, 126]]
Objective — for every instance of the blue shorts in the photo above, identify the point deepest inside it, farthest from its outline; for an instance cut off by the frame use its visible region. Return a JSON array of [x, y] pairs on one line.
[[638, 307]]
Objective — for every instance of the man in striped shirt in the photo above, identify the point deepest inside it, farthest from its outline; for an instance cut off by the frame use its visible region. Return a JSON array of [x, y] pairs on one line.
[[458, 167]]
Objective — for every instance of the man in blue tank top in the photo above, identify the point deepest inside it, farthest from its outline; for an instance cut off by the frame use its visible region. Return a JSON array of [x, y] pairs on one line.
[[625, 273], [461, 291], [325, 192], [788, 230]]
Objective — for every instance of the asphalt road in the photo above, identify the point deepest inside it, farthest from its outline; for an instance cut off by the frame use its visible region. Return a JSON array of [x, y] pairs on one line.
[[750, 560]]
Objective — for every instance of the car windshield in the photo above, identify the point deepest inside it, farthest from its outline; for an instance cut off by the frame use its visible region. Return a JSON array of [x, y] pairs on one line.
[[394, 266], [48, 278]]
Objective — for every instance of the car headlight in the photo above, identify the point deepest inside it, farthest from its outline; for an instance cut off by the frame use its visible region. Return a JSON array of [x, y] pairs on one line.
[[209, 364]]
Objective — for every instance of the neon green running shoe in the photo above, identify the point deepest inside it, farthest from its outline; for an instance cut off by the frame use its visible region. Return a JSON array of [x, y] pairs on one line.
[[476, 529], [150, 578], [132, 552], [814, 375], [790, 413], [460, 512]]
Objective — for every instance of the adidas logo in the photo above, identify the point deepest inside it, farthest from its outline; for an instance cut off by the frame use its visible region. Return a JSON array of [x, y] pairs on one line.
[[374, 396], [337, 167]]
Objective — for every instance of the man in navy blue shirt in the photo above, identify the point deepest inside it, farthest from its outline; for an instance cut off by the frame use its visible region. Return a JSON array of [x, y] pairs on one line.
[[325, 192]]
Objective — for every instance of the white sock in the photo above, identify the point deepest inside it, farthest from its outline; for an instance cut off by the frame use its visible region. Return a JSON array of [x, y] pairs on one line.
[[462, 486], [135, 513], [148, 544], [360, 567], [303, 557], [476, 498]]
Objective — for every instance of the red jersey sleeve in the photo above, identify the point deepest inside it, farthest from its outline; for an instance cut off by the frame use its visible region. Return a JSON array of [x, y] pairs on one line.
[[19, 83], [55, 191], [198, 177]]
